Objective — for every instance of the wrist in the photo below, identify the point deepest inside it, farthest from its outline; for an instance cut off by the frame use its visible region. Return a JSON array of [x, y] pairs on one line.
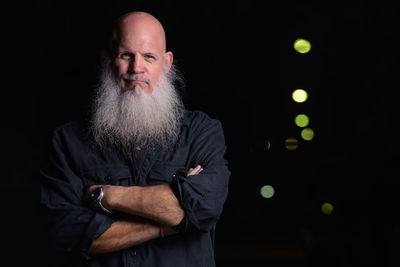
[[109, 197], [96, 199], [106, 197], [113, 197], [166, 231], [162, 232]]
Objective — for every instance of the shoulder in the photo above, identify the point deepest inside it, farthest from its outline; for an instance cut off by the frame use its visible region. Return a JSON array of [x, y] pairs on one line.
[[197, 117], [198, 121], [73, 130], [71, 127]]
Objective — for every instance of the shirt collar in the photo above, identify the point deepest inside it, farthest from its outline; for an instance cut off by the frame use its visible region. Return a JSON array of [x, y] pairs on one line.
[[186, 119]]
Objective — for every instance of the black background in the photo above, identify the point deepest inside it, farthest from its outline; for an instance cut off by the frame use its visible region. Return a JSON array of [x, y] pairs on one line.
[[240, 67]]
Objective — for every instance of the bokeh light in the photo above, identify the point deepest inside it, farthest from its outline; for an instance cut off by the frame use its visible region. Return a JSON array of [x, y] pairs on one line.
[[268, 145], [302, 46], [307, 134], [291, 143], [267, 191], [299, 95], [327, 208], [302, 120]]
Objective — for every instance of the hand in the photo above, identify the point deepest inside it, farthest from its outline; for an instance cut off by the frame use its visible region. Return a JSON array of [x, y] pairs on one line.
[[194, 171]]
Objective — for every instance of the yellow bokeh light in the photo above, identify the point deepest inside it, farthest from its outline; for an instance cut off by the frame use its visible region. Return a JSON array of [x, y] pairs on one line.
[[267, 191], [291, 143], [302, 120], [327, 208], [299, 95], [302, 46], [307, 134]]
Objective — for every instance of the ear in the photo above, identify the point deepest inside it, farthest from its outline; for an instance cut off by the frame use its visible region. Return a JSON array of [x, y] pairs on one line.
[[169, 58]]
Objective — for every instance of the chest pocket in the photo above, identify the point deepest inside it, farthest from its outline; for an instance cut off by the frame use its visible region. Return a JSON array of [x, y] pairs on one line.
[[106, 175], [162, 173]]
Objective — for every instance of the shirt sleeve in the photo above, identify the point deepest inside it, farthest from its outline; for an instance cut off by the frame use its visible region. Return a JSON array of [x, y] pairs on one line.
[[202, 196], [69, 225]]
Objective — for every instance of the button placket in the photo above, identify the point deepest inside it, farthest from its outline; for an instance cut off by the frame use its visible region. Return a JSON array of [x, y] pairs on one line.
[[107, 178], [133, 253]]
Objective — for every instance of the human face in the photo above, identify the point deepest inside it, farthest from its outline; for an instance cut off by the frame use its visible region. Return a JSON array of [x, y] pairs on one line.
[[140, 58]]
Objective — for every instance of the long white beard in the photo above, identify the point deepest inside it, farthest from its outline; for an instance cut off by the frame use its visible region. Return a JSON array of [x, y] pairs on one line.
[[133, 118]]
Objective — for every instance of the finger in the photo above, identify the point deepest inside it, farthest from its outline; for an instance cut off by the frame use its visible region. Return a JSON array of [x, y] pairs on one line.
[[199, 171], [194, 171], [190, 172]]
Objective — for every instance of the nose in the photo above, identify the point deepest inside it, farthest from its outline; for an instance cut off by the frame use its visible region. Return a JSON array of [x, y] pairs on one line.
[[135, 65]]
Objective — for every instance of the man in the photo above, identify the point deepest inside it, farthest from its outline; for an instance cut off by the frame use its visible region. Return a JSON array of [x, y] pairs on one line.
[[142, 183]]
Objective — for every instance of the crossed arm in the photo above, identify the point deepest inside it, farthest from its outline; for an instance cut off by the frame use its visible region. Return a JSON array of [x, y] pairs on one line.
[[156, 203]]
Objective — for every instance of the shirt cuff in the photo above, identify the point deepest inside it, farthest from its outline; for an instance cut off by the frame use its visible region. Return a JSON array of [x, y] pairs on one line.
[[177, 185], [98, 226]]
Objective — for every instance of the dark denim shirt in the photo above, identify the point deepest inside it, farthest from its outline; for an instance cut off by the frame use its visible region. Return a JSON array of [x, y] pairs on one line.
[[74, 164]]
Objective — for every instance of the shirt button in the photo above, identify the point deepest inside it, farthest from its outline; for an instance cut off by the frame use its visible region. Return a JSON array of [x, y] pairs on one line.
[[107, 178], [132, 253]]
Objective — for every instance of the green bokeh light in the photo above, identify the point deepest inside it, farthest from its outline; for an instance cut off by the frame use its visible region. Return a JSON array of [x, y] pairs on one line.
[[302, 46], [267, 191], [327, 208], [307, 134], [302, 120], [299, 95]]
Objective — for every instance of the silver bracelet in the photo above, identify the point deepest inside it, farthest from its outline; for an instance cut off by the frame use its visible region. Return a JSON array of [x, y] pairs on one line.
[[96, 197]]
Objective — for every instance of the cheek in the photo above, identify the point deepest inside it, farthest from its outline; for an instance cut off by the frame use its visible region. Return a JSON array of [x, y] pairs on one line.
[[119, 68], [156, 75]]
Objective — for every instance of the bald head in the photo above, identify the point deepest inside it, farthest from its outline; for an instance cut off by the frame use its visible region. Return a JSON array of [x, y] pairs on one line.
[[139, 23]]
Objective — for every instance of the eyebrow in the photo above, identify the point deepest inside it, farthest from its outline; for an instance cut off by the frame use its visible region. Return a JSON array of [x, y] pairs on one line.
[[126, 50], [151, 54]]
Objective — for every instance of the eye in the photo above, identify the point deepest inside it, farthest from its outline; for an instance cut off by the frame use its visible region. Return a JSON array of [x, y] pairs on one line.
[[150, 57], [125, 55]]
